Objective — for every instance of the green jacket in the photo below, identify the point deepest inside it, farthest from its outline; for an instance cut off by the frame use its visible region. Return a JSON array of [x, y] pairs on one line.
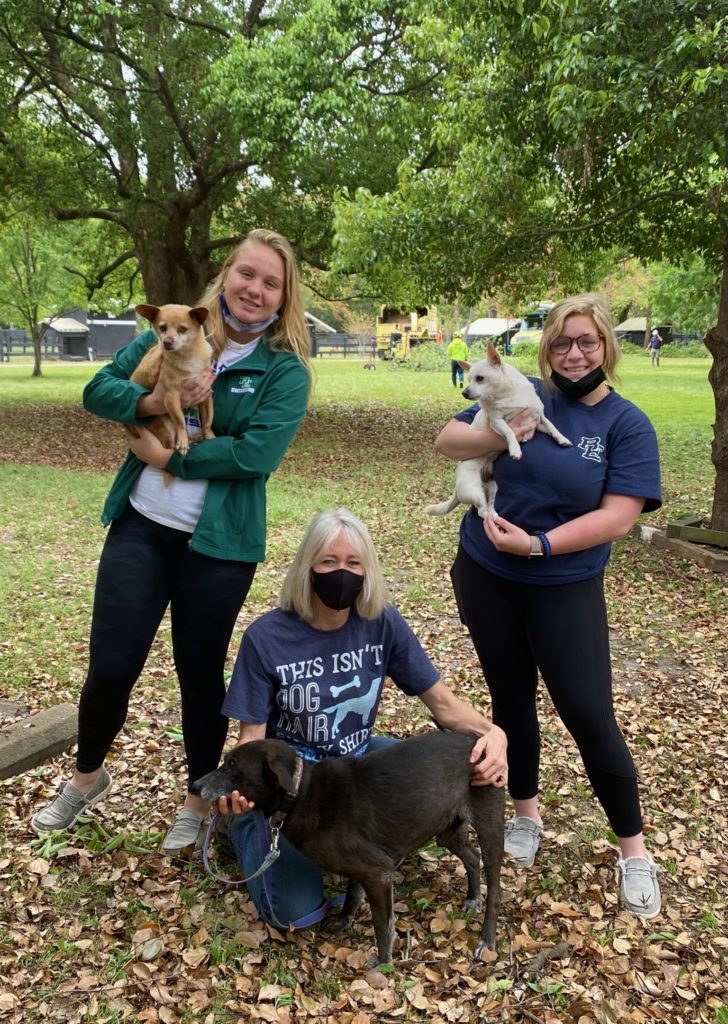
[[259, 404], [457, 350]]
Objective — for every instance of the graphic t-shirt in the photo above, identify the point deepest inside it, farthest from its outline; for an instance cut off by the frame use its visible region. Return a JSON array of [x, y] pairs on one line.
[[614, 451], [319, 690]]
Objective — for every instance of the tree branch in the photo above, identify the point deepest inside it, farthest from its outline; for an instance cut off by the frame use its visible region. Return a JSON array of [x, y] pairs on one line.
[[252, 18], [688, 197], [114, 216], [94, 284]]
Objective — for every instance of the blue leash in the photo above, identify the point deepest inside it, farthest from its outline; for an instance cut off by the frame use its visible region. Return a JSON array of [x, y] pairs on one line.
[[270, 858]]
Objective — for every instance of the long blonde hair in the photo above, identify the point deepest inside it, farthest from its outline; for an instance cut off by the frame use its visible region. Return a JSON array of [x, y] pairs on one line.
[[290, 331], [325, 527], [588, 304]]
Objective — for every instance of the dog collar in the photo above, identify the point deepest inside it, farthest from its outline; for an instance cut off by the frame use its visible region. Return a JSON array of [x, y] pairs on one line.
[[288, 800]]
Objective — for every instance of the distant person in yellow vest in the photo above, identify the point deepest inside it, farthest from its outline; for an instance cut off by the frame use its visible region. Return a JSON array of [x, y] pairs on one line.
[[457, 350]]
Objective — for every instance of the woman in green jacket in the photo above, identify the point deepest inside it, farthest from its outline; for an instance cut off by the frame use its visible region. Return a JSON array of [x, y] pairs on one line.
[[194, 545]]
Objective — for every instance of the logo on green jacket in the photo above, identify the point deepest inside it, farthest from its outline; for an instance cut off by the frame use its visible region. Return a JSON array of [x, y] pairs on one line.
[[242, 386]]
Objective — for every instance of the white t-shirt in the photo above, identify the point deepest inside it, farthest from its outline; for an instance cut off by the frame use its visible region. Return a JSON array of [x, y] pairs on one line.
[[179, 505]]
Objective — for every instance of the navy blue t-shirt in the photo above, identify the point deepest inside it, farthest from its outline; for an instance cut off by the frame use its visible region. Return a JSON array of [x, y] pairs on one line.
[[614, 452], [320, 689]]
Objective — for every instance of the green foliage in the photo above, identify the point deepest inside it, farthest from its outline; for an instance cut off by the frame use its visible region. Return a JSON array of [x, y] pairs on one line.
[[686, 295], [197, 121], [429, 357]]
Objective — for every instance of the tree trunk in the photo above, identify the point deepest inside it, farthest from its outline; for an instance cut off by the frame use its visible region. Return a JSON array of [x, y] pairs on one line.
[[716, 341], [168, 244], [648, 326], [37, 331]]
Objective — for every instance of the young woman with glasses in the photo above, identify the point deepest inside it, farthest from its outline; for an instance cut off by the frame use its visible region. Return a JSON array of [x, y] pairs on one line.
[[530, 583]]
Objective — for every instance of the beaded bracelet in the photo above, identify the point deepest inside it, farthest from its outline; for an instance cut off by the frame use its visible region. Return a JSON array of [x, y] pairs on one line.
[[544, 544]]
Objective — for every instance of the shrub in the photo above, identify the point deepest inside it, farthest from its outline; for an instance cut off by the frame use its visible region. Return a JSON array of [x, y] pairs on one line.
[[428, 357]]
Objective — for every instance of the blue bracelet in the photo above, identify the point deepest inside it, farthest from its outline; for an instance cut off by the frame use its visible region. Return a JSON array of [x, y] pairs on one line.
[[544, 544]]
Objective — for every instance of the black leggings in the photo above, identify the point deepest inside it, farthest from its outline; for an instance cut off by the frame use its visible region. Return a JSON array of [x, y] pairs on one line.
[[520, 628], [143, 568]]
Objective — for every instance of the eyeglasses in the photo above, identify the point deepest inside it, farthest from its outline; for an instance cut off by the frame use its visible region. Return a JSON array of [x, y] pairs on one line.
[[585, 342]]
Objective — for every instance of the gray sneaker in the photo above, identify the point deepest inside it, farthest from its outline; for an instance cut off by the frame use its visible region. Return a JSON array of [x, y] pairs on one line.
[[69, 804], [522, 839], [639, 889], [186, 834]]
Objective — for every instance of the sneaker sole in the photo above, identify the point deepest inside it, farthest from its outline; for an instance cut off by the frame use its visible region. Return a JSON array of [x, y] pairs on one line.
[[45, 829]]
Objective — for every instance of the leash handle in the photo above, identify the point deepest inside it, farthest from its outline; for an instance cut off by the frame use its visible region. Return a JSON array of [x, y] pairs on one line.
[[270, 858]]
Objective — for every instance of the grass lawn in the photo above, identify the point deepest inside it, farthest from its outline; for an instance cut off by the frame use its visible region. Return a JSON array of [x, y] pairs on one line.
[[98, 927]]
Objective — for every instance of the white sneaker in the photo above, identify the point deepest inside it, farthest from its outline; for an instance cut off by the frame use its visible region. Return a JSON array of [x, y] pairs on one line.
[[639, 889], [522, 839], [186, 834], [69, 804]]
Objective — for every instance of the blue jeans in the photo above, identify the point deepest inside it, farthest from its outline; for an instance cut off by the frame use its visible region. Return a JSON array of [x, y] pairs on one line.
[[293, 886]]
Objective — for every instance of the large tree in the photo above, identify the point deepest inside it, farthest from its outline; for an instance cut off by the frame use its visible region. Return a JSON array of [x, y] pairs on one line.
[[569, 126], [183, 123]]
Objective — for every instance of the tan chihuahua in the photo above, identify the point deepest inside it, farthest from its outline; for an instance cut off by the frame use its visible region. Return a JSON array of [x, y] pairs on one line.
[[182, 353]]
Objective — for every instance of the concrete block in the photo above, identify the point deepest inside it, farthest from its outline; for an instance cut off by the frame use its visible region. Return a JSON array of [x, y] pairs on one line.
[[11, 709], [33, 739]]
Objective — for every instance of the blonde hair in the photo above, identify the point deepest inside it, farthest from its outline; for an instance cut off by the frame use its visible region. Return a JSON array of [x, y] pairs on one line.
[[325, 527], [588, 304], [290, 331]]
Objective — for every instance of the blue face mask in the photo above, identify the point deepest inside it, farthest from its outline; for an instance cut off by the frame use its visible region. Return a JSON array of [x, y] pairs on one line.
[[337, 589], [237, 325]]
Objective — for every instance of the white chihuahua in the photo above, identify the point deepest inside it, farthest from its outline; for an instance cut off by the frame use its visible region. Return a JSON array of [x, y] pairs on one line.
[[502, 391]]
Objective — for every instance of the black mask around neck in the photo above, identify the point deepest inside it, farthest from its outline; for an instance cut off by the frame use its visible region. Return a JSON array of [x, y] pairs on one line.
[[579, 388], [337, 589]]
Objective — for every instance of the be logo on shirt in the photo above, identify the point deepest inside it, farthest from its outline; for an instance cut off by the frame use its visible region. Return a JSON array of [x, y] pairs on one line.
[[591, 448]]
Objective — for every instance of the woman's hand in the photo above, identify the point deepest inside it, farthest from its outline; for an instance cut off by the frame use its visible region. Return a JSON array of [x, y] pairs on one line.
[[192, 392], [492, 770], [196, 389], [506, 537], [524, 423], [458, 440], [148, 448], [233, 804]]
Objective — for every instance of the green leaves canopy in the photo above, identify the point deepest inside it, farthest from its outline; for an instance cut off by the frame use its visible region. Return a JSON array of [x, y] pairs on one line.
[[186, 124]]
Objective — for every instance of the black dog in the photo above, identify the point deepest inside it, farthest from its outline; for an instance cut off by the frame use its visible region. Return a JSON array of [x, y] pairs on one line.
[[361, 816]]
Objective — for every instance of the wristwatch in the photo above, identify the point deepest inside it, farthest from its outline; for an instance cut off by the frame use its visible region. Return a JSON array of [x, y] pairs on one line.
[[536, 546]]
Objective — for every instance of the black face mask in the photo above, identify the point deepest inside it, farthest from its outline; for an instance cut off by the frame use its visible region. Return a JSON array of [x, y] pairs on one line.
[[337, 589], [579, 388]]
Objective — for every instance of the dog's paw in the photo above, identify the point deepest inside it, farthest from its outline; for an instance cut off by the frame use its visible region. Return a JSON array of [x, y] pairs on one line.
[[336, 923], [472, 904], [566, 443]]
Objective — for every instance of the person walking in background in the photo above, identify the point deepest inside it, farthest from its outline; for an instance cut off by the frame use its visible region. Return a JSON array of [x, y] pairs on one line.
[[193, 545], [529, 583], [654, 345], [457, 351]]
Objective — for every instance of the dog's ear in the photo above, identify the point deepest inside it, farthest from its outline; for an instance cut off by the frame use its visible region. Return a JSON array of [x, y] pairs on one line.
[[463, 365], [200, 314], [493, 355], [148, 312], [281, 763]]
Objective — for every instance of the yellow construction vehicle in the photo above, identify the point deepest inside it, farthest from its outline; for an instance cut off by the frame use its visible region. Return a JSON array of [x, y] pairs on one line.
[[398, 332]]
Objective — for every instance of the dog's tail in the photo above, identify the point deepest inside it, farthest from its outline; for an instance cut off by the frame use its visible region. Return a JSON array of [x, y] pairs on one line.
[[444, 507]]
